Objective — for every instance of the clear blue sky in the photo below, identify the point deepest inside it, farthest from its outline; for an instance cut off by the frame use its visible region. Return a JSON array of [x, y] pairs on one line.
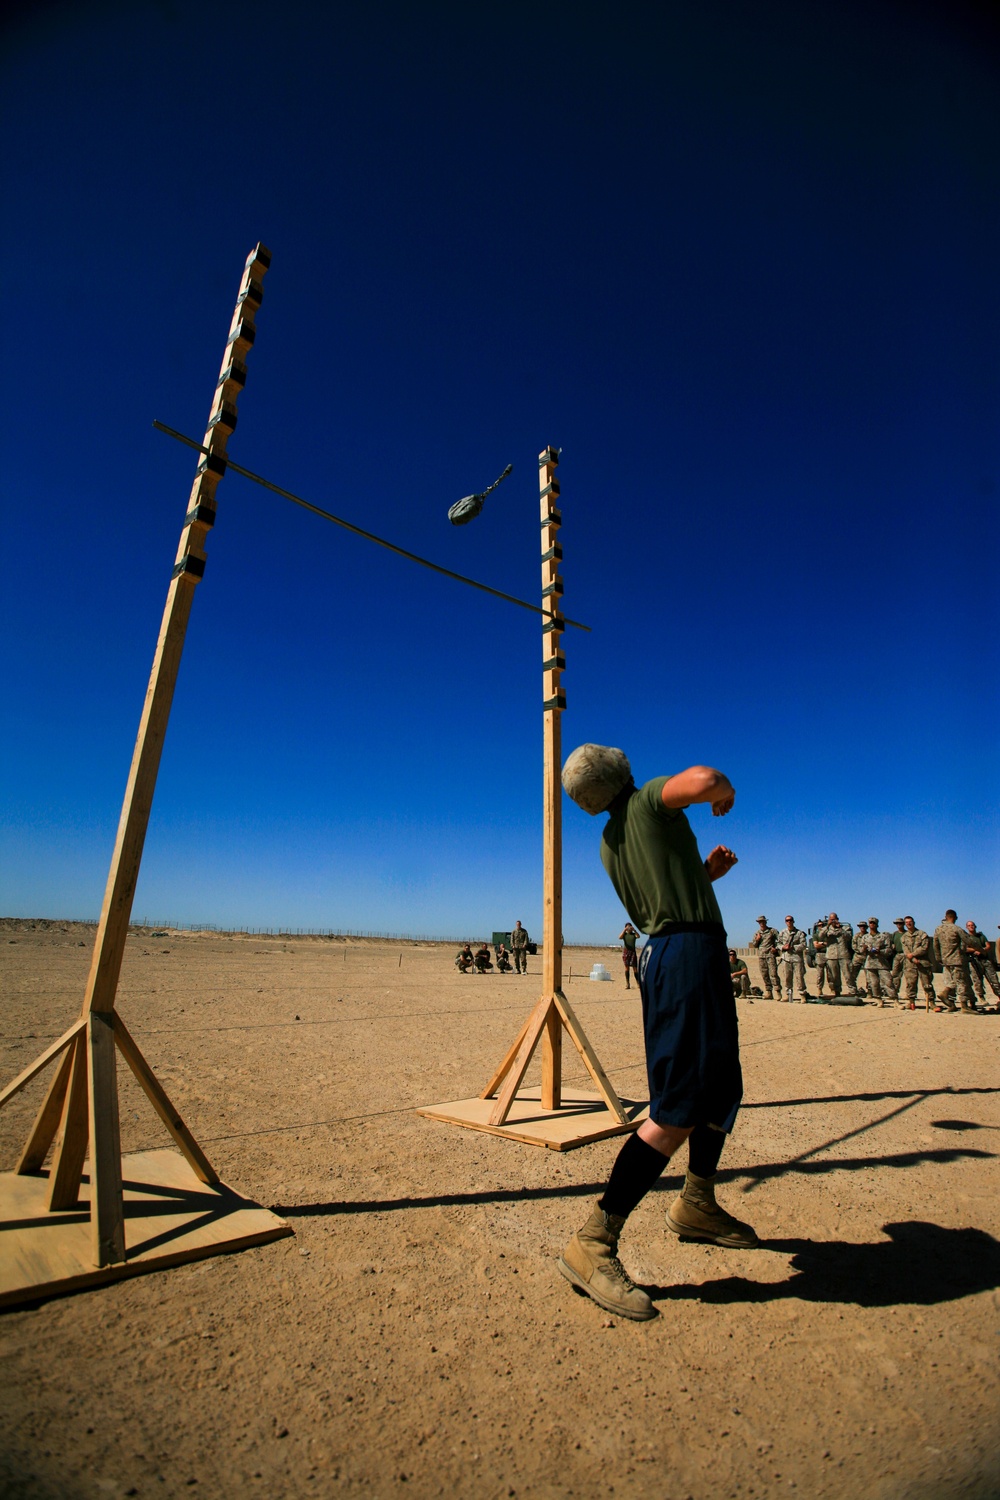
[[739, 260]]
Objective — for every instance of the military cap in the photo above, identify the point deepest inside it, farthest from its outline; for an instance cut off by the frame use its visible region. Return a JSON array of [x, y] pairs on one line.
[[761, 919], [898, 921]]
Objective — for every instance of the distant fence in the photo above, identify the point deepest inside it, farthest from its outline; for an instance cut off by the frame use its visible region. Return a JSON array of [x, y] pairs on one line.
[[147, 924]]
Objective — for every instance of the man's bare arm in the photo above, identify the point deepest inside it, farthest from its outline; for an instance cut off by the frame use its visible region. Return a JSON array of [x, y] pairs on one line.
[[699, 784]]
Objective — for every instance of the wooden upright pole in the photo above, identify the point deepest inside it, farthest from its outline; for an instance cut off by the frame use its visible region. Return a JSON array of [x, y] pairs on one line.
[[189, 567], [82, 1102], [553, 703], [553, 1013]]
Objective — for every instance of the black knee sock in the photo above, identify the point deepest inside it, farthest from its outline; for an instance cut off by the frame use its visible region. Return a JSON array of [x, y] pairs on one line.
[[704, 1149], [636, 1168]]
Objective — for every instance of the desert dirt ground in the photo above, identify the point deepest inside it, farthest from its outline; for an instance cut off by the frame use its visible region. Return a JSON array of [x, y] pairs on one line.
[[414, 1336]]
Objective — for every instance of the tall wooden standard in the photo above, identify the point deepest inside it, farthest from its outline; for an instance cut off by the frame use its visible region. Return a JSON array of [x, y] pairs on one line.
[[81, 1106], [559, 1123]]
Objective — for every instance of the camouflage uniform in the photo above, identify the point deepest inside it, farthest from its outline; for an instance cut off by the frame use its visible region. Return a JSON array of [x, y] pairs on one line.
[[792, 958], [952, 954], [858, 952], [981, 965], [917, 965], [897, 958], [765, 941], [838, 959], [879, 949], [820, 944], [519, 947]]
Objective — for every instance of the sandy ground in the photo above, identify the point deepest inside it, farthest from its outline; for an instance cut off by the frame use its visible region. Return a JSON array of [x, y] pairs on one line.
[[414, 1337]]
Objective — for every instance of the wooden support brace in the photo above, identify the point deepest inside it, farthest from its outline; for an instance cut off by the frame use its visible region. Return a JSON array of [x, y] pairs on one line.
[[43, 1132], [504, 1068], [589, 1057], [67, 1165], [157, 1097], [529, 1041], [42, 1061]]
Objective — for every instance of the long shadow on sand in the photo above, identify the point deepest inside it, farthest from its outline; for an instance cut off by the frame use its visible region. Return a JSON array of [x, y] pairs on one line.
[[919, 1263], [667, 1183], [873, 1098]]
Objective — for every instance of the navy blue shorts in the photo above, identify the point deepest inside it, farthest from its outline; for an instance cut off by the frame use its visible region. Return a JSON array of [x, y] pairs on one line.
[[691, 1030]]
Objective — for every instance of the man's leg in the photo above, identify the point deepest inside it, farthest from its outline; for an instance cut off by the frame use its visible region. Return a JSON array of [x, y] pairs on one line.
[[960, 974], [847, 980], [590, 1260], [927, 981], [694, 1214], [786, 979], [799, 977], [976, 978], [947, 995]]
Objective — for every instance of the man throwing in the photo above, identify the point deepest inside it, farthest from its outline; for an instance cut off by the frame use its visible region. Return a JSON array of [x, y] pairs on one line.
[[688, 1008]]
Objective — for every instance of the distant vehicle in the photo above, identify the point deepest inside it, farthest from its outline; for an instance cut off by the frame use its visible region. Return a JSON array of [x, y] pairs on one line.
[[504, 937]]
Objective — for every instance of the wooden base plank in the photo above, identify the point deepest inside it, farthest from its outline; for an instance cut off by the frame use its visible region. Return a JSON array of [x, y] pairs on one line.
[[170, 1217], [583, 1117]]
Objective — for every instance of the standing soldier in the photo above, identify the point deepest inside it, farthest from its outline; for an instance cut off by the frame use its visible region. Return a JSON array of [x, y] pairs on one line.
[[858, 952], [897, 957], [792, 955], [838, 957], [981, 965], [765, 940], [627, 937], [879, 950], [819, 947], [917, 964], [740, 975], [519, 946], [951, 952]]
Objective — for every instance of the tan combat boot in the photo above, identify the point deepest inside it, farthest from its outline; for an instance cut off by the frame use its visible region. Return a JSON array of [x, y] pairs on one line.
[[590, 1261], [697, 1216]]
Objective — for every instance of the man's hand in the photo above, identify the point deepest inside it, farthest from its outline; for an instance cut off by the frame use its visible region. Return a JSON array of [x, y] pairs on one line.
[[720, 861], [724, 805]]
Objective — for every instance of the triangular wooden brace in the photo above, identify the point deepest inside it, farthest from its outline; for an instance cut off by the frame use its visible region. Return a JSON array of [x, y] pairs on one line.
[[519, 1055]]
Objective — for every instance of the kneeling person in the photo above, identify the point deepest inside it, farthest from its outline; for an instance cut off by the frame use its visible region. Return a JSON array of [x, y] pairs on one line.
[[688, 1007], [739, 974]]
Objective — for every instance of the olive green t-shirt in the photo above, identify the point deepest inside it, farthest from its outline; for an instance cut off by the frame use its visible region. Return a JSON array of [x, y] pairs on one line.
[[651, 855]]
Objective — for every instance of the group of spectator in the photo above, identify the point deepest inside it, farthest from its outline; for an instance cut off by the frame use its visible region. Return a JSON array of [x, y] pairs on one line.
[[481, 961], [893, 964]]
